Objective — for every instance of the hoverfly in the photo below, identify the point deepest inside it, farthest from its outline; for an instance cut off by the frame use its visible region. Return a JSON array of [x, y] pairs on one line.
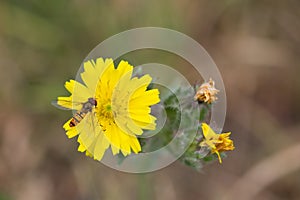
[[80, 114]]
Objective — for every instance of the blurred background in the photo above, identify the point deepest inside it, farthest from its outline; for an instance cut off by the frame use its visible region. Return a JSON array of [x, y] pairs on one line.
[[254, 43]]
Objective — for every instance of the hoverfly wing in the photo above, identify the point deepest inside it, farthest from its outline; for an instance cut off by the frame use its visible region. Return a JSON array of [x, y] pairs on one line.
[[54, 103], [90, 124], [87, 130], [64, 104]]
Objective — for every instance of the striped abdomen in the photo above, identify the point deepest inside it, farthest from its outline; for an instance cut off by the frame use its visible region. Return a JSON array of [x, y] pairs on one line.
[[77, 118]]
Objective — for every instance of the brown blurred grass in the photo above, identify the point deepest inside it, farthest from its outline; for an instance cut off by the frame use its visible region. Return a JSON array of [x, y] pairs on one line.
[[255, 45]]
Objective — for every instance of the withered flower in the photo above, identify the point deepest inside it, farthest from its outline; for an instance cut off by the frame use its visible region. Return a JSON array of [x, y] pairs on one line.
[[216, 142], [206, 92]]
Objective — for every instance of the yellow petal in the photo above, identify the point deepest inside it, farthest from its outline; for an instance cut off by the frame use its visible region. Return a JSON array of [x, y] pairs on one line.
[[208, 132], [114, 150], [149, 97], [134, 128], [72, 133], [112, 134], [90, 76], [147, 126], [81, 148], [124, 69], [142, 118], [125, 145], [80, 93], [219, 157], [100, 147], [67, 102], [135, 145]]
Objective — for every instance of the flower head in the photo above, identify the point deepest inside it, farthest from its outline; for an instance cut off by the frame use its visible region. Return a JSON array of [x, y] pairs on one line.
[[112, 108], [206, 92], [216, 142]]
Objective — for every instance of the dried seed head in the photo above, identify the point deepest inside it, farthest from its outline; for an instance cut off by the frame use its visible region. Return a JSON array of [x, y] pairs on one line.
[[206, 92]]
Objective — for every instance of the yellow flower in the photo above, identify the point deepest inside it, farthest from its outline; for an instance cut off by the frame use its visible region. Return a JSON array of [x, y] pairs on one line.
[[216, 142], [206, 92], [112, 108]]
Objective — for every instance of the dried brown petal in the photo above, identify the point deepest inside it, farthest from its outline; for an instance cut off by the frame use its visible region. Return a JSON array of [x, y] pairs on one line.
[[206, 92]]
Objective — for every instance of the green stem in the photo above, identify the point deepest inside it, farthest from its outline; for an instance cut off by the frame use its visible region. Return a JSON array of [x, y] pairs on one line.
[[204, 110]]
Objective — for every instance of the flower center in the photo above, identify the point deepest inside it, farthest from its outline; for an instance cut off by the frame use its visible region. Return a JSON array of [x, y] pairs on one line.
[[108, 108], [104, 113]]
